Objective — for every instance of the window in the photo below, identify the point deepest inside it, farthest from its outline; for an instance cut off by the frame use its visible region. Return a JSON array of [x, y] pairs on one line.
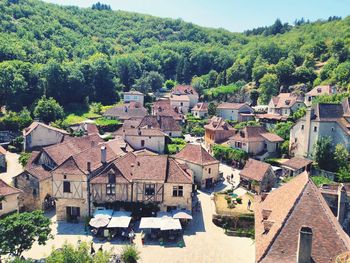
[[178, 191], [315, 129], [66, 187], [181, 104], [27, 176], [110, 189], [296, 139], [34, 192], [64, 176], [142, 143], [170, 134], [209, 170], [302, 127], [309, 98], [332, 128], [150, 189], [73, 211], [1, 206]]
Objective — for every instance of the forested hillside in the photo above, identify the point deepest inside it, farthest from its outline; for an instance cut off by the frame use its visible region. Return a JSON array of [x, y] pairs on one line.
[[83, 55]]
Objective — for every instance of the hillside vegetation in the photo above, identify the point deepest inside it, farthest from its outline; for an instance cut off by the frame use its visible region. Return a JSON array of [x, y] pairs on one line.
[[80, 55]]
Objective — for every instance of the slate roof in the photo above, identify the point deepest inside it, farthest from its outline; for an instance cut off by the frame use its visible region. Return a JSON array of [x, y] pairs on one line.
[[297, 163], [35, 124], [164, 123], [184, 89], [255, 170], [275, 117], [231, 106], [195, 153], [285, 100], [217, 124], [126, 111], [6, 189], [201, 106], [294, 205], [255, 134]]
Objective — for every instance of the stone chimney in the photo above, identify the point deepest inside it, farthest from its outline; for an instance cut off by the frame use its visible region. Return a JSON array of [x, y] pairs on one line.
[[304, 245], [103, 154], [341, 204]]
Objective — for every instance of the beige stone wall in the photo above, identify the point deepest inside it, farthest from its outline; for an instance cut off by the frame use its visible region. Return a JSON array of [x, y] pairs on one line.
[[29, 199], [268, 181], [156, 144], [42, 136], [10, 204], [138, 189], [185, 105], [63, 203], [99, 194], [181, 202]]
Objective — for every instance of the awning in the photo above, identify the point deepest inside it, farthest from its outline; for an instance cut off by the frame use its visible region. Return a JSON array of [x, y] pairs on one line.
[[182, 214], [150, 223], [104, 213], [98, 222], [168, 223], [120, 219]]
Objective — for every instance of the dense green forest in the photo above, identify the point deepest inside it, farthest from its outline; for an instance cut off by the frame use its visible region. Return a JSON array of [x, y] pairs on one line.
[[87, 55]]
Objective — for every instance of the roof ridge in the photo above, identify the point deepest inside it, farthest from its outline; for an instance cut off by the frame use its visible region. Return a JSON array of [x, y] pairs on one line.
[[284, 221]]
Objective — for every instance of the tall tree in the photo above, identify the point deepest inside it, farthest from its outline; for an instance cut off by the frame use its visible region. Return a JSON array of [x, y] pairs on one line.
[[48, 110]]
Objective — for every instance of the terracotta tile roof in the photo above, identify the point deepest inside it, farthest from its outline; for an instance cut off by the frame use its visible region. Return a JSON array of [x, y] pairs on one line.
[[218, 124], [2, 150], [6, 189], [321, 90], [176, 174], [126, 111], [144, 152], [155, 165], [328, 112], [272, 117], [231, 106], [179, 97], [35, 124], [294, 205], [255, 134], [164, 123], [201, 106], [285, 100], [184, 89], [164, 108], [71, 146], [140, 132], [132, 123], [195, 153], [255, 170], [297, 163], [91, 128]]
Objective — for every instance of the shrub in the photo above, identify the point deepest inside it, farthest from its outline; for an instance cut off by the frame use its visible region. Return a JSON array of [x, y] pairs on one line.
[[231, 205], [23, 158], [239, 200], [107, 125], [130, 254]]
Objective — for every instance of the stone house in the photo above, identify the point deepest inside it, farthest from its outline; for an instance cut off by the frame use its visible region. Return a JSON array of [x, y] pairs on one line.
[[204, 166], [135, 96], [39, 135], [235, 111], [188, 91], [217, 131], [181, 102], [293, 223], [70, 180], [296, 166], [85, 128], [163, 108], [257, 176], [200, 110], [144, 138], [3, 165], [166, 124], [321, 120], [318, 91], [285, 104], [126, 111], [10, 195], [256, 141]]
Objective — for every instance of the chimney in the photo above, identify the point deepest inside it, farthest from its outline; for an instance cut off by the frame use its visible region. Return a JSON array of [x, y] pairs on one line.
[[304, 245], [88, 166], [103, 154], [341, 204]]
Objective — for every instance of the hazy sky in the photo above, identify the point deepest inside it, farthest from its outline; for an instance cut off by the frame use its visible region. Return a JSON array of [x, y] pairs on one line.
[[234, 15]]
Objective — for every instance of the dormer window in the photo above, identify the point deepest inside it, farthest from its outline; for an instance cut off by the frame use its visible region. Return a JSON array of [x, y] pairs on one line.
[[110, 187]]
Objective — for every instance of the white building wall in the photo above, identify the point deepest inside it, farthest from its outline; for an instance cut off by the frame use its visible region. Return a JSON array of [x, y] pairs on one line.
[[185, 105], [154, 143], [10, 204], [137, 98], [42, 136], [228, 114]]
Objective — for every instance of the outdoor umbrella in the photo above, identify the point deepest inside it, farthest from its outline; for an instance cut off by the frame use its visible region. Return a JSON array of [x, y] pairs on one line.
[[182, 214], [98, 222]]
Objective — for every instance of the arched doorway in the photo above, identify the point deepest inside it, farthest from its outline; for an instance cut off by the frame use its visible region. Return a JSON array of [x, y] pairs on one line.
[[49, 203]]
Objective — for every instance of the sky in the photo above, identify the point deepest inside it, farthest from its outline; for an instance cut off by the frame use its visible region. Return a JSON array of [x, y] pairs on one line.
[[233, 15]]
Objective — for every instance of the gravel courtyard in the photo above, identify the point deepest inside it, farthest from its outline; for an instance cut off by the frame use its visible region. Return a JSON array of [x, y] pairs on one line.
[[204, 242]]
